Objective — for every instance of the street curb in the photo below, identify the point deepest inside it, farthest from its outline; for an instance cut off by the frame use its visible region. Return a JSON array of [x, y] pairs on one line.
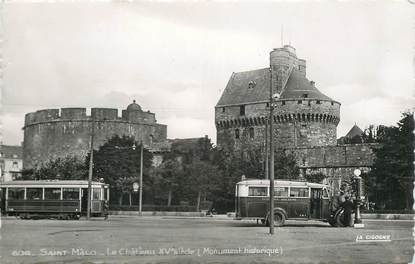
[[389, 216]]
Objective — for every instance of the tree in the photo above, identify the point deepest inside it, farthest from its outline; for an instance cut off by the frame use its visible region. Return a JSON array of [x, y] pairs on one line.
[[203, 179], [285, 165], [119, 164], [316, 177], [65, 168], [392, 172], [168, 177]]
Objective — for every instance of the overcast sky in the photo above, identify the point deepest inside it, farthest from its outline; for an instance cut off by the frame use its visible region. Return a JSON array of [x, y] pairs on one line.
[[175, 59]]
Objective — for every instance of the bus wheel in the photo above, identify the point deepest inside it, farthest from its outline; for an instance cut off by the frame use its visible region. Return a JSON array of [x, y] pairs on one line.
[[279, 219]]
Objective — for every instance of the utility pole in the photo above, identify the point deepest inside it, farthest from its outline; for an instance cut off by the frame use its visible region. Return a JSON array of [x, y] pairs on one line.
[[266, 151], [91, 164], [141, 179], [271, 159]]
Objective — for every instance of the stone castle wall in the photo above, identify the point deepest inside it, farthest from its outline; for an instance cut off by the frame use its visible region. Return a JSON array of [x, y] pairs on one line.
[[336, 162], [297, 123], [53, 133]]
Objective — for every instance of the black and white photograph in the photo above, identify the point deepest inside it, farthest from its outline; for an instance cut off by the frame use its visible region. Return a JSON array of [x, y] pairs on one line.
[[207, 131]]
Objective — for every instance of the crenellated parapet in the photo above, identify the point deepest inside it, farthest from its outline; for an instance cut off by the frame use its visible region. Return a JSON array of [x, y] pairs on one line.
[[80, 114], [53, 133]]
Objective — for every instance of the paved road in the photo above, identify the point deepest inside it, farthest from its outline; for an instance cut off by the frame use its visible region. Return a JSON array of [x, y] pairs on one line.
[[201, 240]]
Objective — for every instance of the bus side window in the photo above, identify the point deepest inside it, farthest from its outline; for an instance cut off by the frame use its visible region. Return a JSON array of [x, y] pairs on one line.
[[257, 191], [299, 192], [325, 193], [281, 191]]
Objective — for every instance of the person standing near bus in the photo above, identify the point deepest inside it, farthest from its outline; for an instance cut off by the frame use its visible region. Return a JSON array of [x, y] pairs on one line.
[[348, 207]]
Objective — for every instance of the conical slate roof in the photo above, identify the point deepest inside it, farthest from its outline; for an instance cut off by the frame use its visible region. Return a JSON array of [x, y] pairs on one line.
[[298, 86], [355, 131], [253, 86]]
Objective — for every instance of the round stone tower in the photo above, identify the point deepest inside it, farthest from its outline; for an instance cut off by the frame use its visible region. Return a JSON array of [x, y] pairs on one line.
[[303, 116], [54, 133]]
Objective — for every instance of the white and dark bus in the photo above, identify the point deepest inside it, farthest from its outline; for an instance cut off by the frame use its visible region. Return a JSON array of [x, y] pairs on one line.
[[293, 200]]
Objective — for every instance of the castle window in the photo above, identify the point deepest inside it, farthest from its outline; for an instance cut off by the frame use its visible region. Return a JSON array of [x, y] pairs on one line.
[[223, 109], [242, 110], [283, 103], [267, 104], [251, 84], [304, 125], [251, 132], [332, 103], [299, 101], [236, 133], [318, 102], [305, 95]]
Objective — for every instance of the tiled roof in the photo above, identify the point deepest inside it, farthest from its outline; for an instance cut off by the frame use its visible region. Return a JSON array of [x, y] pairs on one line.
[[12, 152], [239, 91]]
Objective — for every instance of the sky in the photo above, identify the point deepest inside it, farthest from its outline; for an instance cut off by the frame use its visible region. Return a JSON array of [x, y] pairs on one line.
[[175, 59]]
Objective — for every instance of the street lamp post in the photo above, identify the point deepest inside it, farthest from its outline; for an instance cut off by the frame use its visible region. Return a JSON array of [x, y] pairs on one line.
[[358, 220], [91, 164], [140, 204]]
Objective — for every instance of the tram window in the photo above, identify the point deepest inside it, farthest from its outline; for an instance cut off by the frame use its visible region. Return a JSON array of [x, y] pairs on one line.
[[70, 194], [257, 191], [299, 192], [34, 193], [96, 195], [52, 193], [16, 194], [281, 191]]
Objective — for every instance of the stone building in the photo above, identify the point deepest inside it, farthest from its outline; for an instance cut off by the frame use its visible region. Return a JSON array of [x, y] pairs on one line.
[[53, 133], [11, 162], [305, 120]]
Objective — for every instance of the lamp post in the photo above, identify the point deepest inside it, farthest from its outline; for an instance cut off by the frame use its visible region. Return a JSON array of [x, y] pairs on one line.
[[358, 220], [140, 204], [91, 164]]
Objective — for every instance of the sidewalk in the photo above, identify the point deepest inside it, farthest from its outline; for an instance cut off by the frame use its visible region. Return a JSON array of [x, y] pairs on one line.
[[231, 215]]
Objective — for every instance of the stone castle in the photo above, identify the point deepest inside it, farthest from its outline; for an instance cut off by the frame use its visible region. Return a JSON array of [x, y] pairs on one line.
[[53, 133], [305, 120]]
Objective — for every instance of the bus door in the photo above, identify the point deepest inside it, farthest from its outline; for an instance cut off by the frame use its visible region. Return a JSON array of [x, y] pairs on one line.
[[316, 203], [325, 204]]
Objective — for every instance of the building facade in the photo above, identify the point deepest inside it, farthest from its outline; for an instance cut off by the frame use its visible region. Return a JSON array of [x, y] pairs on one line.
[[53, 133], [11, 162], [304, 122]]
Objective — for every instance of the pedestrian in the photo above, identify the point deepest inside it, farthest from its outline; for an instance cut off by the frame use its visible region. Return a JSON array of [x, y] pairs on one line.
[[106, 210], [348, 207]]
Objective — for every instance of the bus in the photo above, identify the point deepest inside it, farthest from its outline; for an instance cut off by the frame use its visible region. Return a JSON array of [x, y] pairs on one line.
[[293, 200], [52, 198]]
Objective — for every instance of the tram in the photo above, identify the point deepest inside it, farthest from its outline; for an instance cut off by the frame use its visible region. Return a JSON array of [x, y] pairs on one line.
[[293, 200], [52, 198]]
